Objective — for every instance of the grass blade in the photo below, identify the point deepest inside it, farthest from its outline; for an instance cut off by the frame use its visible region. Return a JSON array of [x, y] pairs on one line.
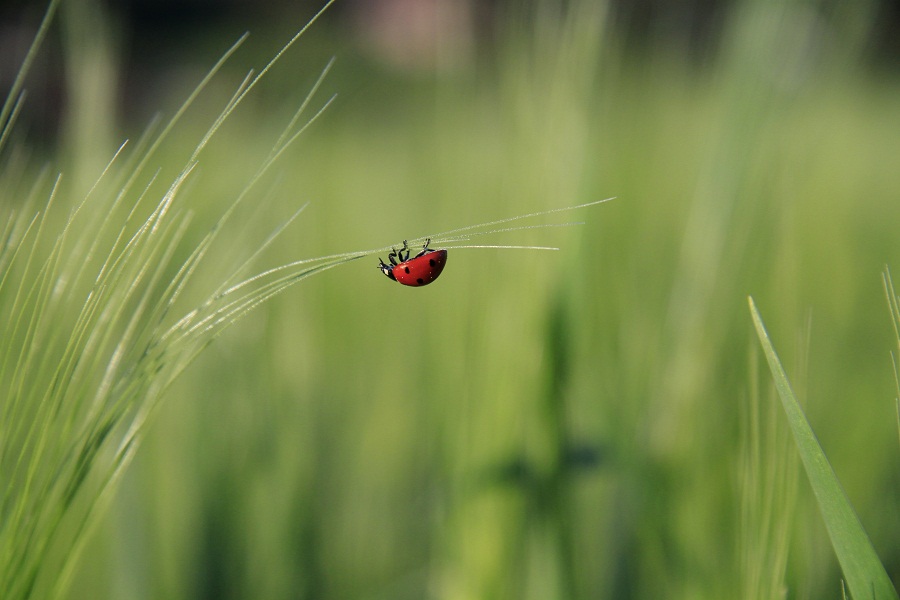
[[865, 575]]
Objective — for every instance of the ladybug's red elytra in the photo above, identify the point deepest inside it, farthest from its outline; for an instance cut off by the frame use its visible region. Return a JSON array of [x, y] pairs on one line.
[[420, 270]]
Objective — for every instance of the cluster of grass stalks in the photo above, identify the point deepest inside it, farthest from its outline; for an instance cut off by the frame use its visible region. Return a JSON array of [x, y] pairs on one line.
[[95, 329], [588, 423]]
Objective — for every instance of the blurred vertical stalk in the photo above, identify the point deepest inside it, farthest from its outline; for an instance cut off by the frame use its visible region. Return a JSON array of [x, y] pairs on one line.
[[92, 69], [771, 53], [549, 55], [554, 502]]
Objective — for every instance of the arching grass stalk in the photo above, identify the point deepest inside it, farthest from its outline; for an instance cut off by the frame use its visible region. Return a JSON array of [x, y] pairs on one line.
[[446, 239]]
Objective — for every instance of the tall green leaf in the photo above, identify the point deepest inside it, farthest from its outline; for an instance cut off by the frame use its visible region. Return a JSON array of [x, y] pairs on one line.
[[862, 568]]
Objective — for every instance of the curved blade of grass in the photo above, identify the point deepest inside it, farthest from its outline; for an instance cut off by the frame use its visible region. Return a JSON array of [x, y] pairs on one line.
[[862, 568]]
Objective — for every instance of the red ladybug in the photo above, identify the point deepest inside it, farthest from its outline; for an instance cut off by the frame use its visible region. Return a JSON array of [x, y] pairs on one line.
[[420, 270]]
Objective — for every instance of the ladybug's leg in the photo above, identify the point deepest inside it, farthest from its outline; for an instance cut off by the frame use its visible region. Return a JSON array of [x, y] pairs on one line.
[[425, 249], [406, 249], [392, 257]]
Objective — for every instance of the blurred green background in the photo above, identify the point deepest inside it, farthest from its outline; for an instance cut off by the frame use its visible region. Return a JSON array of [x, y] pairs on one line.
[[589, 423]]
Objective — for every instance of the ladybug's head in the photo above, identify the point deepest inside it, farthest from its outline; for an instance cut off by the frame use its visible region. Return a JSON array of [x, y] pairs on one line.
[[388, 270]]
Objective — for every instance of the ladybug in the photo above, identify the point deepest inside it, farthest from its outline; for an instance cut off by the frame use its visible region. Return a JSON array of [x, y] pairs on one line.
[[420, 270]]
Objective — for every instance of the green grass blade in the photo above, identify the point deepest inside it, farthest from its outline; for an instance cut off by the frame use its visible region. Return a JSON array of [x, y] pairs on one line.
[[865, 575]]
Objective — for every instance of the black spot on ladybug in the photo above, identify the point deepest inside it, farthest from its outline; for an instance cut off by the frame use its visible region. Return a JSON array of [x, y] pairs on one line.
[[406, 269], [431, 262], [420, 281]]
